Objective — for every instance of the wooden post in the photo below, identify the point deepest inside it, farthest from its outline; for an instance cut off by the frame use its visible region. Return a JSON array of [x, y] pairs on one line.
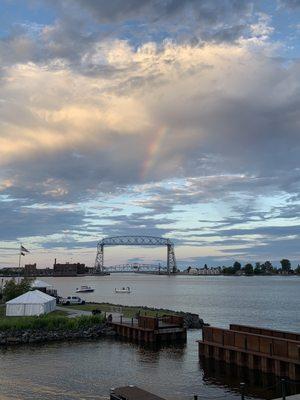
[[242, 386], [283, 388]]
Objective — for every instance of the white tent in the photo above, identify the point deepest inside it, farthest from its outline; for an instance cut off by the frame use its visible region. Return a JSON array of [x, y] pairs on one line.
[[31, 303], [37, 284]]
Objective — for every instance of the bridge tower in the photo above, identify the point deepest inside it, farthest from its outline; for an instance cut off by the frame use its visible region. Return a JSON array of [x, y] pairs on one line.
[[99, 263], [135, 241], [171, 260]]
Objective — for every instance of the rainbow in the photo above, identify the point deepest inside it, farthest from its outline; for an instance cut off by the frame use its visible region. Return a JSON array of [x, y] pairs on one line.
[[153, 151]]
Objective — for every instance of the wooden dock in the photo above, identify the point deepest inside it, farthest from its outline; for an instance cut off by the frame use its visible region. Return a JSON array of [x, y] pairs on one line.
[[266, 350], [132, 393], [151, 329]]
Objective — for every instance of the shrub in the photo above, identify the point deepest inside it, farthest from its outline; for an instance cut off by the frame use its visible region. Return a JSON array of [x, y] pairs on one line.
[[49, 323]]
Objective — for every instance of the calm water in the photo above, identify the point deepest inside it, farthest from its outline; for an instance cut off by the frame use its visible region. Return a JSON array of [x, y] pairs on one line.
[[87, 370]]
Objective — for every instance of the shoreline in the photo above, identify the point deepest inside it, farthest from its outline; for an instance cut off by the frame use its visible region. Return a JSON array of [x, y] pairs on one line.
[[29, 330]]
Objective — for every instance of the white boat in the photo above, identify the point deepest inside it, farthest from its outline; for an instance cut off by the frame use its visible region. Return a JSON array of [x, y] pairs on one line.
[[84, 289], [123, 290]]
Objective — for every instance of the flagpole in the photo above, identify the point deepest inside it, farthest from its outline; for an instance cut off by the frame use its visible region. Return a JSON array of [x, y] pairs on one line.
[[20, 255], [19, 262]]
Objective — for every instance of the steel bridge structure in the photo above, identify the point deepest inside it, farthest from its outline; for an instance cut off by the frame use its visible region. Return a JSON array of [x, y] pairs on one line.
[[136, 267], [152, 241]]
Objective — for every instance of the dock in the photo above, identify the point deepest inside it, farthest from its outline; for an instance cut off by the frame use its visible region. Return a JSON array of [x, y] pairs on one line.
[[266, 350], [148, 329], [132, 393]]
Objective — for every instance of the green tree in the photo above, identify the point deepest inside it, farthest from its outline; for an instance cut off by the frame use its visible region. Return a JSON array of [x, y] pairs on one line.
[[237, 266], [258, 268], [267, 267], [248, 269], [297, 270], [13, 289], [285, 265], [228, 270]]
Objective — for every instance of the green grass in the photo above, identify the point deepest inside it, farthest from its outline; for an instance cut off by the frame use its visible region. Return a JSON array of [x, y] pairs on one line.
[[56, 320], [127, 311], [51, 323]]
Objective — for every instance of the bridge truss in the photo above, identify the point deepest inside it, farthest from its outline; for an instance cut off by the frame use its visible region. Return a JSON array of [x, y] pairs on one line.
[[152, 241], [136, 267]]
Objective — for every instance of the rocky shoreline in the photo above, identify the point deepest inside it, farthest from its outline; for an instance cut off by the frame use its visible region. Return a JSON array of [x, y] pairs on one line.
[[41, 335], [29, 336], [191, 321]]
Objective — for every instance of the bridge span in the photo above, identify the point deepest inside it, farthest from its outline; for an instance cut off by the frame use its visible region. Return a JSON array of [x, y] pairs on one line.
[[134, 240], [136, 267]]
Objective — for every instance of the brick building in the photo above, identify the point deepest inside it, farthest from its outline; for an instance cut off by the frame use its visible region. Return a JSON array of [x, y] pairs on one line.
[[30, 270], [68, 269]]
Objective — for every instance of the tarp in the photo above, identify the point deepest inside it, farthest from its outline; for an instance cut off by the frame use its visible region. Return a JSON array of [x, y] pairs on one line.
[[40, 284], [31, 303]]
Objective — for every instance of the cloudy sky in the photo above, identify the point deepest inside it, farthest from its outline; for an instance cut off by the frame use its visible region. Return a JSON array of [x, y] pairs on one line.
[[174, 118]]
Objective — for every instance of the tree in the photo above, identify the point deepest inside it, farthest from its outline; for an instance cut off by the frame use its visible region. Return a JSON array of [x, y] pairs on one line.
[[285, 265], [257, 269], [297, 270], [13, 289], [228, 270], [267, 267], [248, 269], [237, 266]]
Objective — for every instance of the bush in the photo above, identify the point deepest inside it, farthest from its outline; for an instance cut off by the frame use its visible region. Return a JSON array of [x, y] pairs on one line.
[[49, 323]]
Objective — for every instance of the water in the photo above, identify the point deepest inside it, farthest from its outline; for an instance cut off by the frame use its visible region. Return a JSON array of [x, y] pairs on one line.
[[87, 370]]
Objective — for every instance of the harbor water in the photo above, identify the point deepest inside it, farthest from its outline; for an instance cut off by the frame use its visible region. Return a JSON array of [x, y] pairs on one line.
[[87, 370]]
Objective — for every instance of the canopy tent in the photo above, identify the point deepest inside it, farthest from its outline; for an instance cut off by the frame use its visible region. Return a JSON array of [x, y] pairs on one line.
[[37, 284], [31, 303]]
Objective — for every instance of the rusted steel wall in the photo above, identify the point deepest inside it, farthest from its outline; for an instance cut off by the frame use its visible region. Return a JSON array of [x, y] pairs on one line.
[[267, 345], [173, 319], [265, 332], [148, 322]]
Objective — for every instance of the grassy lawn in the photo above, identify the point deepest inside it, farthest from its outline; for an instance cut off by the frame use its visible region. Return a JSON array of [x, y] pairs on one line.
[[127, 311]]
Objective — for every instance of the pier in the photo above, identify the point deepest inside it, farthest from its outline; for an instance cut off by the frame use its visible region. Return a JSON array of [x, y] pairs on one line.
[[266, 350], [150, 329], [132, 393]]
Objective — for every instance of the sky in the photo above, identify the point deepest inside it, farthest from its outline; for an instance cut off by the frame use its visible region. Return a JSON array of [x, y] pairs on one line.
[[169, 118]]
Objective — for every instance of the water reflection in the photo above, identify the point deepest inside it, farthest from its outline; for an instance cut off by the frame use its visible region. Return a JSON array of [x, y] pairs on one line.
[[257, 384]]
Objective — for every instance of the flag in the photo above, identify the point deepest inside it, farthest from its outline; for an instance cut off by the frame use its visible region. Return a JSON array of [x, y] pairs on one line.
[[24, 250]]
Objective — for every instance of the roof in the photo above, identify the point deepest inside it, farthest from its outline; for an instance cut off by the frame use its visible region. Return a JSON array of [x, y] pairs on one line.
[[32, 297], [40, 284], [135, 393]]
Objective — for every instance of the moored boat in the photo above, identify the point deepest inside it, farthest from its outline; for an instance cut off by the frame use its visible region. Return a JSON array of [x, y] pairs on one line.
[[123, 290], [84, 289]]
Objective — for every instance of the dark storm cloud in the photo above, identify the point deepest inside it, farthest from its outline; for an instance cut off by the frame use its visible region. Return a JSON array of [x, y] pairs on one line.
[[119, 10], [19, 221]]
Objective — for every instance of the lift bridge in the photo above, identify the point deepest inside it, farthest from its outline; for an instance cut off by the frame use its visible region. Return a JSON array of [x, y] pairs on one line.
[[137, 267], [152, 241]]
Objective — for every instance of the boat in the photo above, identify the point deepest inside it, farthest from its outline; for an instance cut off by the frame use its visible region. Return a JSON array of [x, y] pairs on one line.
[[84, 289], [123, 290]]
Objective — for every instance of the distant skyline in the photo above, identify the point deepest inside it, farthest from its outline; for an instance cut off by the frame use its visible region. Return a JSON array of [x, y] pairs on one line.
[[166, 118]]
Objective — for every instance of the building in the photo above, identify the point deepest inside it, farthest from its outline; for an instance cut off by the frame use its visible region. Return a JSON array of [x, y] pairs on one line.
[[68, 269], [30, 270], [210, 271]]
